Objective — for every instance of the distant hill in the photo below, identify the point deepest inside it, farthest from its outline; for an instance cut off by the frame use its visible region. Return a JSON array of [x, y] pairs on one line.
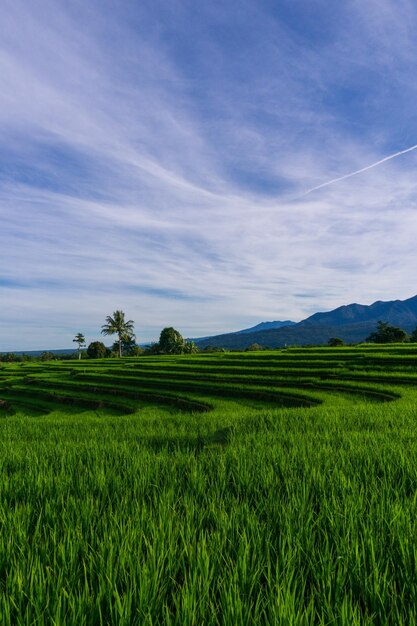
[[258, 327], [402, 313], [36, 353], [352, 323], [265, 326], [296, 335]]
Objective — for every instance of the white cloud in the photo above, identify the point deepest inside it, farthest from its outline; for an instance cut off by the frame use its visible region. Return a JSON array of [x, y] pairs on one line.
[[130, 180]]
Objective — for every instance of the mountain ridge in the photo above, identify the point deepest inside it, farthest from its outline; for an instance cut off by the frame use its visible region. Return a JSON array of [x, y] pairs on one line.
[[352, 323], [393, 311], [266, 326]]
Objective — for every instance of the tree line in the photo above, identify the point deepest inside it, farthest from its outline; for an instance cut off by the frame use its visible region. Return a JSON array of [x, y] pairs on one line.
[[170, 341], [384, 333]]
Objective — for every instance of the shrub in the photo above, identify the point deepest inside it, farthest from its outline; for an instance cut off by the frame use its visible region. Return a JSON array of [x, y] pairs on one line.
[[97, 350], [254, 347], [335, 341]]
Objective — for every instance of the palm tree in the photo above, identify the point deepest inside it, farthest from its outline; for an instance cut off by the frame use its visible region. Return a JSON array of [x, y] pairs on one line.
[[118, 325], [80, 340]]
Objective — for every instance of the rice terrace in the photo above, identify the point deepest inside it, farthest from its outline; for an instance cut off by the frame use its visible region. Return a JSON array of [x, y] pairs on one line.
[[276, 487]]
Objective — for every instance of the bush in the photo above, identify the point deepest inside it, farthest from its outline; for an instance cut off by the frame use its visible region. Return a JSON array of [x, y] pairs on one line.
[[254, 347], [97, 350], [190, 348], [335, 341], [136, 351], [214, 349]]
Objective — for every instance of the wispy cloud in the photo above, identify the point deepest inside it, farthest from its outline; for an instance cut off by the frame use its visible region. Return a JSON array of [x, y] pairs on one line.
[[150, 152]]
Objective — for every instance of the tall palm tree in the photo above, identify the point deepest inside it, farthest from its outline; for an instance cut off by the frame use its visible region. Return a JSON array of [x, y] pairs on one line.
[[118, 325], [80, 340]]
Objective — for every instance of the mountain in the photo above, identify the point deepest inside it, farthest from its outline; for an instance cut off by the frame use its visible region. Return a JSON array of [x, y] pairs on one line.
[[352, 323], [253, 329], [265, 326], [402, 313]]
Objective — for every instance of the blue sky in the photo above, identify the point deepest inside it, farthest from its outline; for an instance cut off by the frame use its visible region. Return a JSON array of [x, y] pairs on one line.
[[159, 157]]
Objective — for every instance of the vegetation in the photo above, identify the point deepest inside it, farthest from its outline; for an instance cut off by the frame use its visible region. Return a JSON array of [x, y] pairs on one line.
[[117, 325], [385, 333], [128, 346], [254, 347], [79, 339], [233, 488], [97, 350], [335, 341], [172, 342], [47, 356]]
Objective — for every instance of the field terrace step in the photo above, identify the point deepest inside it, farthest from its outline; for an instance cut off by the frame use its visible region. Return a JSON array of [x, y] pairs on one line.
[[258, 383], [155, 397]]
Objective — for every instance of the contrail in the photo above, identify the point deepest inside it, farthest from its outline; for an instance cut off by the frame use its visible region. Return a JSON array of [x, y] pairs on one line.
[[363, 169]]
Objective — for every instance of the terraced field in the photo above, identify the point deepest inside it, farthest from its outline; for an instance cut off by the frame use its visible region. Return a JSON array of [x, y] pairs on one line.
[[239, 488], [294, 378]]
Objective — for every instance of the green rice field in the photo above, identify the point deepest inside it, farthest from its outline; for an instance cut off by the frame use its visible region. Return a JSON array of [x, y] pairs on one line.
[[271, 488]]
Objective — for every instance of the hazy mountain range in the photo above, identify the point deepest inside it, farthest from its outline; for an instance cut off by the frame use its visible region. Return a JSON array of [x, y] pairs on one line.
[[352, 323]]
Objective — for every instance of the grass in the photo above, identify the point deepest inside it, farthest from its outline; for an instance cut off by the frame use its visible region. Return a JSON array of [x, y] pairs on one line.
[[252, 512]]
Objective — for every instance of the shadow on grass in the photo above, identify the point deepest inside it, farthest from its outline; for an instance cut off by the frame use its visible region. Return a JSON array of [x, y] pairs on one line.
[[195, 444]]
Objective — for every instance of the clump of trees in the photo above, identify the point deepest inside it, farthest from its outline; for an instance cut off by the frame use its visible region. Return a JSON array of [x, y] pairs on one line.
[[213, 349], [8, 357], [129, 347], [254, 347], [172, 342], [334, 342], [385, 333]]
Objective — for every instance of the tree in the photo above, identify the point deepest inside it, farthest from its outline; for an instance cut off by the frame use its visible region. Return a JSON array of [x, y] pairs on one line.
[[128, 344], [171, 341], [117, 325], [47, 356], [136, 351], [152, 349], [80, 340], [413, 336], [254, 347], [335, 341], [385, 333], [97, 350], [190, 348]]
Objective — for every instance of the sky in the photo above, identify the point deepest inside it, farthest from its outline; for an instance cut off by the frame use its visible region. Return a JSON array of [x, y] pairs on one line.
[[206, 166]]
